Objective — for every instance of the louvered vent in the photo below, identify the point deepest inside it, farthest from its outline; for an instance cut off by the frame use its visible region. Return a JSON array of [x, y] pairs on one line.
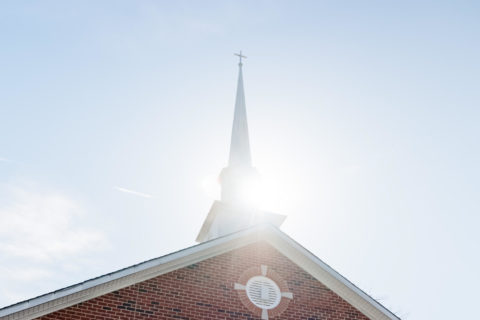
[[263, 292]]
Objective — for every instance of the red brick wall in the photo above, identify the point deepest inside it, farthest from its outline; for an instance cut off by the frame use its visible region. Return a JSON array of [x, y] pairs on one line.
[[205, 291]]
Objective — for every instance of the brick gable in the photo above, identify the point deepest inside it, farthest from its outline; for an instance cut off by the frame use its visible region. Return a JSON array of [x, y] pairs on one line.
[[205, 290]]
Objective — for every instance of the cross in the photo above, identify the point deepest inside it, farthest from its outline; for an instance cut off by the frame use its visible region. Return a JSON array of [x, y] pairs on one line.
[[240, 56]]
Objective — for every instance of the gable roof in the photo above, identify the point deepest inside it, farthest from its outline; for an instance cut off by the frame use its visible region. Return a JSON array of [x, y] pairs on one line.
[[110, 282]]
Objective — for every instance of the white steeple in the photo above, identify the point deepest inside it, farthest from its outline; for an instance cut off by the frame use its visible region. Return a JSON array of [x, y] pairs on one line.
[[239, 180], [239, 177], [240, 144]]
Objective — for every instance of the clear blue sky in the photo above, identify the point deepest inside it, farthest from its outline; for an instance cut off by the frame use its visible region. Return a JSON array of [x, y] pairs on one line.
[[364, 121]]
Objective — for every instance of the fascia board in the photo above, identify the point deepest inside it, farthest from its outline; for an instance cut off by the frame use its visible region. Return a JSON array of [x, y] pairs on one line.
[[327, 275], [90, 289], [52, 302]]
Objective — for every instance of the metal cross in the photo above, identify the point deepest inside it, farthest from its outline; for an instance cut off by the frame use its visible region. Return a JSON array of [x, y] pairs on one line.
[[240, 56]]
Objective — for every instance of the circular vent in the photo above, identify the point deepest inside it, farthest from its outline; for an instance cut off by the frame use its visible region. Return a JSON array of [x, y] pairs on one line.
[[263, 292]]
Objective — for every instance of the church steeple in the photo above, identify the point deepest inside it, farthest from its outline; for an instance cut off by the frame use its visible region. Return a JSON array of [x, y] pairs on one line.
[[240, 144], [239, 178], [238, 207]]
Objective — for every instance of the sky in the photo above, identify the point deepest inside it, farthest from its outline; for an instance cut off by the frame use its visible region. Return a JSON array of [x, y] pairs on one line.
[[115, 121]]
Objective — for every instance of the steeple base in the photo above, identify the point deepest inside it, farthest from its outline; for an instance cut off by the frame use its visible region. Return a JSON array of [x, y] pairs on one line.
[[224, 219]]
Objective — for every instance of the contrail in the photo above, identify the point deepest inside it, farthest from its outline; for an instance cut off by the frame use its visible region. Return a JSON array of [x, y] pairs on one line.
[[140, 194]]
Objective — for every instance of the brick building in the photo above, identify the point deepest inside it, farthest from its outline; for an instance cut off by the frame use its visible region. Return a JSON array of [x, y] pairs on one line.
[[244, 267]]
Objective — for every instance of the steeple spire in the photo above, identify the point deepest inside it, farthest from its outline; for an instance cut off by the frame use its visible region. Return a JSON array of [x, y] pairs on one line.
[[240, 144], [238, 205]]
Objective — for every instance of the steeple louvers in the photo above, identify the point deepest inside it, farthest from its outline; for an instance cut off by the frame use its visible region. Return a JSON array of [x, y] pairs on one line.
[[240, 144]]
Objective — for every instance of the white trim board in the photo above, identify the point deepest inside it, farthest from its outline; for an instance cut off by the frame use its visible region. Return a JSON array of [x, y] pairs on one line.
[[63, 298]]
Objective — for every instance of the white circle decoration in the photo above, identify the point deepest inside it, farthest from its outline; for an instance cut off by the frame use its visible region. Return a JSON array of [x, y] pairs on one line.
[[263, 292]]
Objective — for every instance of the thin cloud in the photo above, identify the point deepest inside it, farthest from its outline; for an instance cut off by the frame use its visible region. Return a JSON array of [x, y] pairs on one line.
[[3, 159], [44, 225], [136, 193], [42, 231]]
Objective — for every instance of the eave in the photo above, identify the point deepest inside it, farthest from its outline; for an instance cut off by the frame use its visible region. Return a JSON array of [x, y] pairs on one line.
[[63, 298]]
